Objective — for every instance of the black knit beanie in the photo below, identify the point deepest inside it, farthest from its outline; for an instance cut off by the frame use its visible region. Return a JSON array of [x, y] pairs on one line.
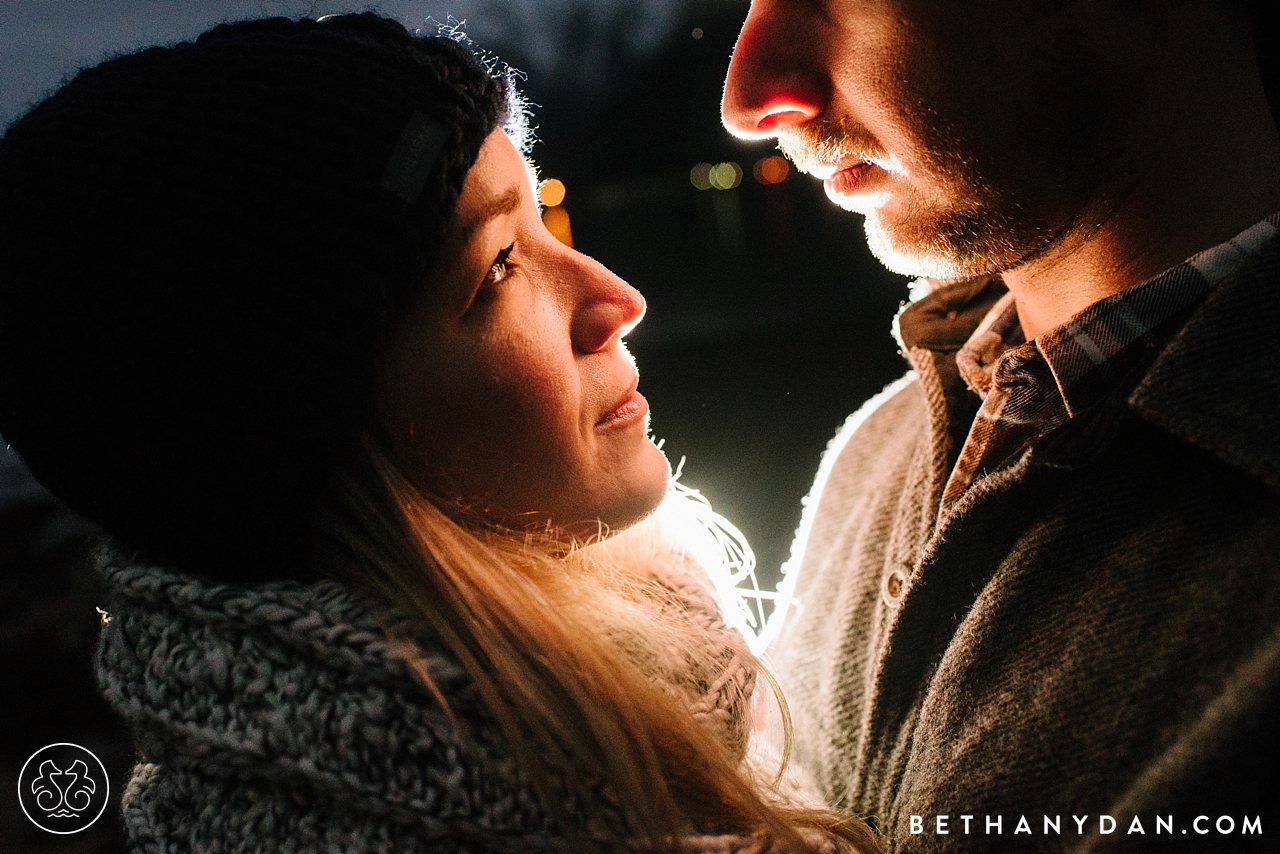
[[201, 247]]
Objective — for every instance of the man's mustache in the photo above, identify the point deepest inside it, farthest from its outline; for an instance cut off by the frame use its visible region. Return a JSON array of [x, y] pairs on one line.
[[829, 142]]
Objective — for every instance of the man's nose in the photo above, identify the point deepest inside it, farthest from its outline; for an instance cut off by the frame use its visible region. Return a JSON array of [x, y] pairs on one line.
[[775, 77], [608, 308]]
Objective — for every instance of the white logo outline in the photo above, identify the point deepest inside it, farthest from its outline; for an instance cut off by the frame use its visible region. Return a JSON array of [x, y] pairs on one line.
[[73, 796]]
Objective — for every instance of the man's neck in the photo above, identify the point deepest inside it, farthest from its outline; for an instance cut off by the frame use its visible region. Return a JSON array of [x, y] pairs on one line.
[[1209, 168]]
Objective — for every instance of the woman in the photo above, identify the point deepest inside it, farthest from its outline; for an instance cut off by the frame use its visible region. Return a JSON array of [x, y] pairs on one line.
[[280, 315]]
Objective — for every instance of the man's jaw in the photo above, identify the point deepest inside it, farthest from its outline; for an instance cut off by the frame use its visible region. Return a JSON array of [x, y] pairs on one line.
[[903, 230]]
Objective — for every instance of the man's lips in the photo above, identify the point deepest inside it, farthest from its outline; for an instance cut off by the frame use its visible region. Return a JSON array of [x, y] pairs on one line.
[[824, 169], [848, 180], [821, 171]]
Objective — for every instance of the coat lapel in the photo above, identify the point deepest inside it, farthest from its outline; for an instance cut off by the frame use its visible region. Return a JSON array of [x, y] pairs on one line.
[[1217, 383]]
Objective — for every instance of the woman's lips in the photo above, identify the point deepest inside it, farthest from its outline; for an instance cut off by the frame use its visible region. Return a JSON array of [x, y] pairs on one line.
[[633, 407]]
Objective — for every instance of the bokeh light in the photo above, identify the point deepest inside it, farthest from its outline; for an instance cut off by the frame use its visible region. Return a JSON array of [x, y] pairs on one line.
[[771, 170], [725, 176], [551, 192], [556, 219], [700, 176]]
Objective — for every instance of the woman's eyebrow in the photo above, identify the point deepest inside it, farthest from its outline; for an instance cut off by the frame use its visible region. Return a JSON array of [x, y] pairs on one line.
[[504, 204]]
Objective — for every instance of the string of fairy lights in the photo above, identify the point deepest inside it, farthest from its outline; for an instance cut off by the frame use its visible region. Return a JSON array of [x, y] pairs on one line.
[[773, 169], [727, 175]]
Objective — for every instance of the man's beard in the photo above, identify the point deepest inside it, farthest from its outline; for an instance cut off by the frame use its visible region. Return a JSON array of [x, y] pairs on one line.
[[948, 245], [976, 231]]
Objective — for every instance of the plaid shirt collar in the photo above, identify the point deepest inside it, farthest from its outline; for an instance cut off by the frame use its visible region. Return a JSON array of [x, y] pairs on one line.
[[1088, 353], [1029, 388]]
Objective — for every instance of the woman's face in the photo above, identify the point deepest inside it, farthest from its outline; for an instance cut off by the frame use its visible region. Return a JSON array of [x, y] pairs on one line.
[[507, 386]]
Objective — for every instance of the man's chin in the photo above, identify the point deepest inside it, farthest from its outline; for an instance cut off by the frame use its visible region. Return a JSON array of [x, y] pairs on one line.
[[912, 257], [861, 203], [927, 252], [918, 257]]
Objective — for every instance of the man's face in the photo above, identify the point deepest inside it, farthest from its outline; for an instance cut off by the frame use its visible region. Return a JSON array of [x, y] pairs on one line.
[[973, 135]]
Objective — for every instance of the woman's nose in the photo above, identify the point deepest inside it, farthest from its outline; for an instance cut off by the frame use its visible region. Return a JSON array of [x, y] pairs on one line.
[[607, 309], [773, 80]]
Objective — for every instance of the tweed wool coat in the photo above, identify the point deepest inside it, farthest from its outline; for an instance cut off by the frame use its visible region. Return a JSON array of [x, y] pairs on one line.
[[1091, 637]]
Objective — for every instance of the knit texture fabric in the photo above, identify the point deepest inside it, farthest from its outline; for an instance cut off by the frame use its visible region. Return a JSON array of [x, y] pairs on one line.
[[278, 718], [1093, 630]]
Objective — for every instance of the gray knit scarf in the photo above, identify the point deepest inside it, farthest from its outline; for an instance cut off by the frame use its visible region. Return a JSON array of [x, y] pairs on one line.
[[277, 718]]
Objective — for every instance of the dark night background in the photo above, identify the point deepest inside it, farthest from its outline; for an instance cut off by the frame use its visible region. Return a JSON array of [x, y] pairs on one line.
[[768, 320]]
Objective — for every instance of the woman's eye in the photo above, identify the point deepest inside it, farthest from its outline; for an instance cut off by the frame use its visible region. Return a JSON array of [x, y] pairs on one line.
[[501, 268], [487, 291]]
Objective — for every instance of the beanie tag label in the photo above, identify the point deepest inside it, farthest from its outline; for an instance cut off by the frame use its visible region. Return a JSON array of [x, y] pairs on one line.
[[414, 156]]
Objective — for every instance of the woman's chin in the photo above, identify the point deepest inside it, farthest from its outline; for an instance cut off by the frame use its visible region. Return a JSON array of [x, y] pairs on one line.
[[637, 489], [648, 489]]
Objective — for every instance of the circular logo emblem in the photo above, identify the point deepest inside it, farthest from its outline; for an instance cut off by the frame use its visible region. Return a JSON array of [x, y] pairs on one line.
[[63, 788]]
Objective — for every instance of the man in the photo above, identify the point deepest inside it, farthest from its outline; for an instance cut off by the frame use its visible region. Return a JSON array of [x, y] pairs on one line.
[[1039, 579]]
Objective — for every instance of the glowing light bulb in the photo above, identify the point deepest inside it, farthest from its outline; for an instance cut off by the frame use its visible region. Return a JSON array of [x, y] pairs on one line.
[[725, 176], [771, 170], [700, 176], [551, 192], [556, 219]]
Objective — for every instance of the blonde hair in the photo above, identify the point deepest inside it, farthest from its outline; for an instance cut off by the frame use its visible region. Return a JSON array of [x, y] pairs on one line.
[[569, 648]]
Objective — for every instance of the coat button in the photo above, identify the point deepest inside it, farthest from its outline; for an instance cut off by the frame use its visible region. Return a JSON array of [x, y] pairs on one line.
[[892, 586]]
